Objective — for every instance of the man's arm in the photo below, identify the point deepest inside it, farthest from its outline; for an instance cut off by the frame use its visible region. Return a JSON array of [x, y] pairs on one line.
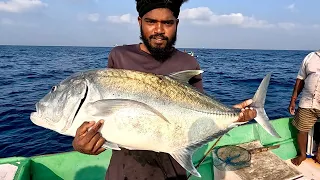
[[302, 74], [296, 91], [110, 59]]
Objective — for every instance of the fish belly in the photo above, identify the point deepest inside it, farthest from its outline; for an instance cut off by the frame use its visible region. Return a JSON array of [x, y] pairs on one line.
[[139, 130]]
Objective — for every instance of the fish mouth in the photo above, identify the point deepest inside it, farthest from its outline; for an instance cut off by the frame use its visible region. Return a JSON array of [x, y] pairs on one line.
[[35, 118]]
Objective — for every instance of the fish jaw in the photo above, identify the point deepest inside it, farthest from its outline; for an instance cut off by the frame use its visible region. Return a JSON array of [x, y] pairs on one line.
[[37, 119]]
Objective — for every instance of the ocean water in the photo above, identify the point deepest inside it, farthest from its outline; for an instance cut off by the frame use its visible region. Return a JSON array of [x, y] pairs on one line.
[[27, 73]]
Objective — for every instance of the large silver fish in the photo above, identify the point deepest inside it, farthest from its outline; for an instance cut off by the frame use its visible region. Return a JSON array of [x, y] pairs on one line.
[[144, 111]]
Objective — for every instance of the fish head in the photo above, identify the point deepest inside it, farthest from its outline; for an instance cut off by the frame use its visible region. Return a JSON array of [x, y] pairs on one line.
[[57, 109]]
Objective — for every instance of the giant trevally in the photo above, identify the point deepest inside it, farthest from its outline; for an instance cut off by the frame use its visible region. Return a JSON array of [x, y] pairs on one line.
[[144, 111]]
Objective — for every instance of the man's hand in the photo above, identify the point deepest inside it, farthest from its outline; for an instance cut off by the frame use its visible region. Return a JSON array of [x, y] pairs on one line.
[[292, 107], [246, 114], [89, 141]]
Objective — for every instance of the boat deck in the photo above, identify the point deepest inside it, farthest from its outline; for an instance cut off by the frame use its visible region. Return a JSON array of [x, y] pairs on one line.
[[268, 166], [309, 169]]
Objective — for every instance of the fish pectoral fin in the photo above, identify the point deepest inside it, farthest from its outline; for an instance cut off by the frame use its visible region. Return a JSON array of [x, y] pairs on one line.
[[184, 158], [110, 145], [185, 76], [105, 107]]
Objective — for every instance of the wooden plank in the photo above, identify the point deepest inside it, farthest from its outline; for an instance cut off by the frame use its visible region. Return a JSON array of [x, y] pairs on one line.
[[264, 166], [309, 168]]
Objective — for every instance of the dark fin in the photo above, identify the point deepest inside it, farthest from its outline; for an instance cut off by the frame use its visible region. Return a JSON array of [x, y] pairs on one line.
[[110, 145], [108, 106], [258, 103], [184, 156], [185, 76]]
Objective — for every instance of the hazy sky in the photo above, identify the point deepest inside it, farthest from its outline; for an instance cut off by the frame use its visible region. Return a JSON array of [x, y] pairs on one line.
[[269, 24]]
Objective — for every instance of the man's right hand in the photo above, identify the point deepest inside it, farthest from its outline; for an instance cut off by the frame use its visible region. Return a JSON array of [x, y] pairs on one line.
[[89, 141], [292, 107]]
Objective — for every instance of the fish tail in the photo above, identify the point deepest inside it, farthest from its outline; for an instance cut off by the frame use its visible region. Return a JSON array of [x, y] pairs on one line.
[[258, 104]]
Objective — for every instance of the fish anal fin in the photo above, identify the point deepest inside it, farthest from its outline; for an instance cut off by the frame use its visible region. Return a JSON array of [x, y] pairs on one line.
[[106, 107]]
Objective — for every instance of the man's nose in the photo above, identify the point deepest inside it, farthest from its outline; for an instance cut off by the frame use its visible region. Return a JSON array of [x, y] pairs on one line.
[[159, 29]]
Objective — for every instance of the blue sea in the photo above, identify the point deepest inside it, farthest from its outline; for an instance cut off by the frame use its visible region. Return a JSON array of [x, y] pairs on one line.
[[27, 73]]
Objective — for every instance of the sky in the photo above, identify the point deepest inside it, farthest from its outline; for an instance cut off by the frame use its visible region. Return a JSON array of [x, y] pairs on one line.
[[242, 24]]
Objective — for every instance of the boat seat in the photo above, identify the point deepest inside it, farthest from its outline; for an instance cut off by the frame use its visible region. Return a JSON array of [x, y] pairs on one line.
[[7, 171]]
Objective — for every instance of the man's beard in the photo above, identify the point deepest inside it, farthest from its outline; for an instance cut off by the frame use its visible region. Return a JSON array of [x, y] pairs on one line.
[[159, 54]]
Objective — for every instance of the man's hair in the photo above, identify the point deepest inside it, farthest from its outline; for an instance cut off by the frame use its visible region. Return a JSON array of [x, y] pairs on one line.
[[144, 6]]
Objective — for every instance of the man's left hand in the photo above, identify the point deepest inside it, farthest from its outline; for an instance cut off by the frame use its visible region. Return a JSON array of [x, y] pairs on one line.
[[246, 113]]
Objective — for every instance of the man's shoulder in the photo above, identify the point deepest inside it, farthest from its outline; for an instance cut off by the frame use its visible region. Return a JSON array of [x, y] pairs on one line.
[[309, 56], [130, 47], [185, 57]]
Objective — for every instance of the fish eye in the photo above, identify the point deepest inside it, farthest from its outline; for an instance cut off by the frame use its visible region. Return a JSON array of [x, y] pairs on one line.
[[54, 88]]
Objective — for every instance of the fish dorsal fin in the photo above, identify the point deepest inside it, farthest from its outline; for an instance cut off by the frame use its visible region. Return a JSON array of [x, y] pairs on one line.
[[185, 76]]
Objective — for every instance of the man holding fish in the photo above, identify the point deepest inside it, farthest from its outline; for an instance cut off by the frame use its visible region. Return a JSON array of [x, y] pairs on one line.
[[150, 116], [158, 26]]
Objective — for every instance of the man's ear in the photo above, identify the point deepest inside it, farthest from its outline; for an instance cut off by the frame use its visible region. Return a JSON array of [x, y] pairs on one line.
[[177, 22], [139, 20]]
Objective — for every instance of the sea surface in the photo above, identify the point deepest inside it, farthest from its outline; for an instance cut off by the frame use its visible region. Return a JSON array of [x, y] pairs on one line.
[[27, 73]]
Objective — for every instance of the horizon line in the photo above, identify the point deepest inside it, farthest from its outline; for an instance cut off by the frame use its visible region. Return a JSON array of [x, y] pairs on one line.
[[88, 46]]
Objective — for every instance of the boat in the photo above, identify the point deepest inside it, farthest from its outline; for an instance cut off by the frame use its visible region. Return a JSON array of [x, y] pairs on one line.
[[191, 53], [74, 165]]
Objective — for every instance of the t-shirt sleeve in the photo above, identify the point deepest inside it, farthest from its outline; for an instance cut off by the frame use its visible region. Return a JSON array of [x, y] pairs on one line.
[[302, 74], [111, 58]]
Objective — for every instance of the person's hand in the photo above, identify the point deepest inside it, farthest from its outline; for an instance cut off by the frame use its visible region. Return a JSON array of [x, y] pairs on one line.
[[246, 113], [89, 141], [292, 107]]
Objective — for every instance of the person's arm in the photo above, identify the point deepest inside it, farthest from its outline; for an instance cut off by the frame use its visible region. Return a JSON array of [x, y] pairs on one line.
[[302, 74], [296, 91], [111, 59]]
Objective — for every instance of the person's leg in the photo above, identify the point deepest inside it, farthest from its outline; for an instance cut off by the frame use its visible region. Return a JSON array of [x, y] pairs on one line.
[[302, 143], [318, 154], [304, 120], [318, 150]]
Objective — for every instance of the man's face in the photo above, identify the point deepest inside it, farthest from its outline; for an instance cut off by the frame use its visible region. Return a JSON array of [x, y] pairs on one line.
[[158, 30]]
